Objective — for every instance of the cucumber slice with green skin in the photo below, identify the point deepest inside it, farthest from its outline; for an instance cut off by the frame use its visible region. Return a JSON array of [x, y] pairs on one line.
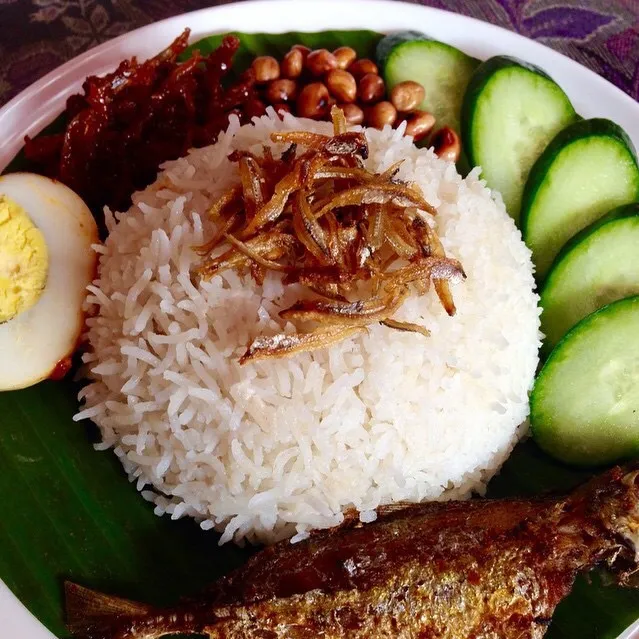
[[510, 112], [588, 169], [598, 266], [441, 69], [584, 407]]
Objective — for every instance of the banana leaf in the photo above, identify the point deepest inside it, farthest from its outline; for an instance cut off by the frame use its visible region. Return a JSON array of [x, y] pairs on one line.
[[69, 512]]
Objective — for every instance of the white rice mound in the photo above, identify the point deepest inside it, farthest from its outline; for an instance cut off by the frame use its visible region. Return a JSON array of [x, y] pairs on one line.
[[277, 448]]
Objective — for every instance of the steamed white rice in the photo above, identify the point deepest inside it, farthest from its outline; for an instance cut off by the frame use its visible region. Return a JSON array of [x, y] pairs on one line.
[[277, 448]]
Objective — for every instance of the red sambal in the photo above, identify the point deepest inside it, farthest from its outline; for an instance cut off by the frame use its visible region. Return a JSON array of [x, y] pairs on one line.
[[126, 123]]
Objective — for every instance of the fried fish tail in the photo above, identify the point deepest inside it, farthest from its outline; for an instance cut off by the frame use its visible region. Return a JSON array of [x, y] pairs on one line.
[[494, 569], [95, 615]]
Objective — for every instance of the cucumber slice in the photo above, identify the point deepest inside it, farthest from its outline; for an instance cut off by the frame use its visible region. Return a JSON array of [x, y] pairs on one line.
[[510, 112], [598, 266], [588, 169], [584, 408], [442, 70]]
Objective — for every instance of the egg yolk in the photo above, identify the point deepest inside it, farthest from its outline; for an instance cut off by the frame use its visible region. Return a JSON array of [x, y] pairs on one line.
[[24, 260]]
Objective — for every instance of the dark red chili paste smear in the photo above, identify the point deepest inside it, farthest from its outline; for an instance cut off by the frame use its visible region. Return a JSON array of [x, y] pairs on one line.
[[125, 124]]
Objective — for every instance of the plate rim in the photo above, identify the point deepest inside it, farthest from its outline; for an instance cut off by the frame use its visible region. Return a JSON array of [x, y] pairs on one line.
[[63, 80], [53, 80]]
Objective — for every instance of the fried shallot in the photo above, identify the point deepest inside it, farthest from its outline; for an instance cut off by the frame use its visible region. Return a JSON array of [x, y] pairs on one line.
[[360, 241]]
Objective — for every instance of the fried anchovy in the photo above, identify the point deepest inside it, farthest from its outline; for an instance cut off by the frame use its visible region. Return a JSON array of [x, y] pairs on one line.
[[377, 194], [358, 313], [282, 345], [407, 327]]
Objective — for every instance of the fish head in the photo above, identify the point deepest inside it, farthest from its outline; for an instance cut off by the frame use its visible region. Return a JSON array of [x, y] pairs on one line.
[[614, 497], [622, 510]]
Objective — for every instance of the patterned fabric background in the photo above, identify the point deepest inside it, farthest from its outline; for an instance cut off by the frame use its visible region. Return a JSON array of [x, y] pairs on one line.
[[39, 35]]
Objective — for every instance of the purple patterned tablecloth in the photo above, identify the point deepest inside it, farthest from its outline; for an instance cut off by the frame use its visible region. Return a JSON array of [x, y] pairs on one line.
[[38, 35]]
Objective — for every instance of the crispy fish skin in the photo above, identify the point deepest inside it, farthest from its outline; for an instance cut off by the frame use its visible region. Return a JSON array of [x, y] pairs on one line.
[[483, 569]]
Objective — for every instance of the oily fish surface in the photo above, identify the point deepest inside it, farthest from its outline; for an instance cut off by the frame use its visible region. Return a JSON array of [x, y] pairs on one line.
[[46, 233]]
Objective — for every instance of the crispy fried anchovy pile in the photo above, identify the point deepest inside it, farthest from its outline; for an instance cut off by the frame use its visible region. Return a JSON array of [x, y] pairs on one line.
[[359, 240]]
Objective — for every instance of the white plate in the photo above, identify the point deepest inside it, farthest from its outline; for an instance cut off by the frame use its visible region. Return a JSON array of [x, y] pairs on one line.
[[35, 107]]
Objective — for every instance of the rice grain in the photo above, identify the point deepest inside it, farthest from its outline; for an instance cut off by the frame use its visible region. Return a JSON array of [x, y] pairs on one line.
[[275, 448]]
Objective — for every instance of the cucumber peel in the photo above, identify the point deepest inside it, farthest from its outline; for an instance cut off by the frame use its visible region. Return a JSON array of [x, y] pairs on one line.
[[588, 169], [598, 266], [510, 112], [584, 407], [440, 68]]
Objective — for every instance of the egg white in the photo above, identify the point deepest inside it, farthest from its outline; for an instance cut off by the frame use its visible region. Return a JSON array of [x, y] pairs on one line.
[[36, 340]]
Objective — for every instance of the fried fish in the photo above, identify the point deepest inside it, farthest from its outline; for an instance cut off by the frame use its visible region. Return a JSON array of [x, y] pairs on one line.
[[482, 569]]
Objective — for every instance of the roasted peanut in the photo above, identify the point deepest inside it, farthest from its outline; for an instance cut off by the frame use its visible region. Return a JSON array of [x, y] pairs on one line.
[[420, 124], [342, 85], [447, 145], [381, 114], [361, 67], [320, 61], [312, 101], [292, 64], [266, 68], [352, 113], [345, 56], [370, 88], [407, 96], [281, 90], [302, 49]]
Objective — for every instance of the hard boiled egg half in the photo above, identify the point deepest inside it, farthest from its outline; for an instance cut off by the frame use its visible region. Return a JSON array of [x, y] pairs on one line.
[[46, 263]]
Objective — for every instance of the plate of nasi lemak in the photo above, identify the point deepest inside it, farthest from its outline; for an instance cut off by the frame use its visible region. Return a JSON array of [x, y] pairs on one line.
[[319, 320]]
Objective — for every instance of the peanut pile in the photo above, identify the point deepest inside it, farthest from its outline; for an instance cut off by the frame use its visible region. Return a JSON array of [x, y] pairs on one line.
[[309, 82]]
